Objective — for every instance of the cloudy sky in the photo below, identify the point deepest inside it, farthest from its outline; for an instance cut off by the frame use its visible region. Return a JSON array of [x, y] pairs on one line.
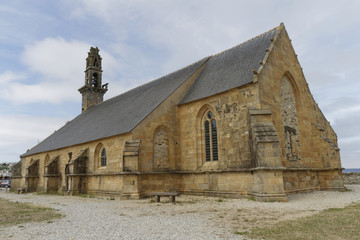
[[43, 46]]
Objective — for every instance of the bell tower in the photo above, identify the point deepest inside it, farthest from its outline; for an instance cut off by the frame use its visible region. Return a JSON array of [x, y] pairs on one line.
[[93, 91]]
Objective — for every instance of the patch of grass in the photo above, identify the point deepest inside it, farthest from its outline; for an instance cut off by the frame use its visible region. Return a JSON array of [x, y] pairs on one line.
[[252, 198], [333, 223], [241, 233], [82, 195], [41, 193], [220, 200], [191, 211], [334, 209], [345, 190], [50, 193], [13, 213], [77, 194]]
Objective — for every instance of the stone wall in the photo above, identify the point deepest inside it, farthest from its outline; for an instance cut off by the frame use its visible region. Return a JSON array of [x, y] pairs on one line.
[[351, 178], [230, 110], [161, 148], [91, 98], [222, 184], [161, 127], [282, 80], [307, 140], [99, 178]]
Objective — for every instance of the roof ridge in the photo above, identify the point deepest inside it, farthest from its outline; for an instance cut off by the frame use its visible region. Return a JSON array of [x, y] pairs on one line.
[[279, 27], [179, 69], [233, 66], [128, 108], [150, 82], [208, 57]]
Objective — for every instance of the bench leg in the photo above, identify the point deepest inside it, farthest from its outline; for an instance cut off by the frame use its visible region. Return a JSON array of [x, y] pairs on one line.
[[157, 198], [172, 199]]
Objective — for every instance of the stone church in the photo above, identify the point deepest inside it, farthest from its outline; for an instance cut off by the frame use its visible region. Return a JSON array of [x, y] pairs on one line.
[[240, 123]]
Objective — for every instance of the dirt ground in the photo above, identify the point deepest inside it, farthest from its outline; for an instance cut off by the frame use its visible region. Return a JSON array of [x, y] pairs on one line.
[[191, 217]]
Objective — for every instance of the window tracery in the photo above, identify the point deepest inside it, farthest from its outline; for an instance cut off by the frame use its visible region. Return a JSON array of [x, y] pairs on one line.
[[210, 137]]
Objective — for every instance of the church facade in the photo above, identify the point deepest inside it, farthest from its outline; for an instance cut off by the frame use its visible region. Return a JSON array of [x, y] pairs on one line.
[[239, 123]]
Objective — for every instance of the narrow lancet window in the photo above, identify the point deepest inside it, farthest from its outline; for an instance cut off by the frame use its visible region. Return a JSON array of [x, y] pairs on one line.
[[214, 140], [103, 157], [210, 137], [207, 142]]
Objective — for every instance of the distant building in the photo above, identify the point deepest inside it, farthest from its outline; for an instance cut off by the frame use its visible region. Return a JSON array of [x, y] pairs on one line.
[[239, 123], [5, 173]]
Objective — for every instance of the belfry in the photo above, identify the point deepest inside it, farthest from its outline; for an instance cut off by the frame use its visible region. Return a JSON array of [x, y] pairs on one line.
[[93, 91]]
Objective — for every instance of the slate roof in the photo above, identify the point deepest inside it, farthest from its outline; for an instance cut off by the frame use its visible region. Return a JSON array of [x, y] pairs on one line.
[[117, 115], [231, 68], [224, 71]]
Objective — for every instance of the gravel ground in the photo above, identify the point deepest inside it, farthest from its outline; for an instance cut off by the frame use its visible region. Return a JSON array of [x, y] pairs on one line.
[[192, 217]]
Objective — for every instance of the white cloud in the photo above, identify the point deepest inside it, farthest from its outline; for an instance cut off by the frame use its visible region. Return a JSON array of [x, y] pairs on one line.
[[20, 132], [345, 112], [25, 127], [8, 77], [56, 59], [58, 66], [20, 93]]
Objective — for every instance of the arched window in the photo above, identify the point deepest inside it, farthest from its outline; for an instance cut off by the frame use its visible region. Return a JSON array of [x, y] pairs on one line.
[[46, 162], [289, 119], [103, 157], [161, 148], [210, 137], [94, 80]]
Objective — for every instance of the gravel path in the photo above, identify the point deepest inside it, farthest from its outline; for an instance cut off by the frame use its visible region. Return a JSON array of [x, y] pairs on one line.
[[192, 217]]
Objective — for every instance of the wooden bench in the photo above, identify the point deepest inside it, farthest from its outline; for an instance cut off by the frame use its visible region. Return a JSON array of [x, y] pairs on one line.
[[21, 190], [171, 195]]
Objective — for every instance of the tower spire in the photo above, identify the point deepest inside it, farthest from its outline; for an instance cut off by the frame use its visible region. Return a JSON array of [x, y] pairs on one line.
[[93, 91]]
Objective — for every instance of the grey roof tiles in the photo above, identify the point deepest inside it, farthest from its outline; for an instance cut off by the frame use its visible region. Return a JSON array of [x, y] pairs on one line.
[[231, 68], [224, 71], [117, 115]]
